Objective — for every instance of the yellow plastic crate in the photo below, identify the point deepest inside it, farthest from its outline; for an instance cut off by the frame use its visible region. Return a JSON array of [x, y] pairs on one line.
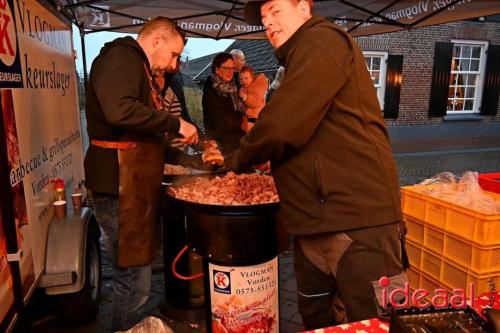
[[414, 252], [434, 239], [475, 226], [455, 276], [431, 264], [413, 275], [430, 284], [415, 230], [480, 259]]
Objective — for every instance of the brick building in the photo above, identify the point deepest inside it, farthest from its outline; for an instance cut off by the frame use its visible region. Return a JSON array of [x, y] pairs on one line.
[[448, 72], [430, 90]]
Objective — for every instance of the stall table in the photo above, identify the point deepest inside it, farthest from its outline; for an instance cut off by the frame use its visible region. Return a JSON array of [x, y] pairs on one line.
[[376, 325]]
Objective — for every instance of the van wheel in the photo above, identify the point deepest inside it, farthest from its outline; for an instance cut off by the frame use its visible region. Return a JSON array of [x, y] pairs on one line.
[[81, 307]]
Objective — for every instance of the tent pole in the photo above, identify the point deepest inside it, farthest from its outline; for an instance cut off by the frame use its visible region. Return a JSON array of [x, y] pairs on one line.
[[84, 56]]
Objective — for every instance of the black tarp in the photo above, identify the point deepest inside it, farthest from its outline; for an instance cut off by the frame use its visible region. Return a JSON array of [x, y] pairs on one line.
[[224, 18]]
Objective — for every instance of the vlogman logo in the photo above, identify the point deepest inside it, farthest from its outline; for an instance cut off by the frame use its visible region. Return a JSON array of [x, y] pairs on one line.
[[222, 282], [10, 62]]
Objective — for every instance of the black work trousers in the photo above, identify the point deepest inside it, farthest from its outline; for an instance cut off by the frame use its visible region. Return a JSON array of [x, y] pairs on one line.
[[346, 266]]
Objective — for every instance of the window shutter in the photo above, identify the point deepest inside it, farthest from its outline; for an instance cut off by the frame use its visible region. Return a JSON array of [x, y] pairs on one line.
[[443, 53], [393, 86], [491, 89]]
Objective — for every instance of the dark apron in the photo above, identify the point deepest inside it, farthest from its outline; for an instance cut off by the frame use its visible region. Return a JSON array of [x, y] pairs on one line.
[[141, 174]]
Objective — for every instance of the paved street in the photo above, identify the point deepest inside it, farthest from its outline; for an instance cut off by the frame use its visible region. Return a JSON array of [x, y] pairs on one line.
[[413, 168], [416, 167]]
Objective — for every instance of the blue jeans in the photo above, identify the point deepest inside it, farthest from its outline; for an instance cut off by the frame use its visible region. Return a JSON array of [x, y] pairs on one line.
[[131, 285]]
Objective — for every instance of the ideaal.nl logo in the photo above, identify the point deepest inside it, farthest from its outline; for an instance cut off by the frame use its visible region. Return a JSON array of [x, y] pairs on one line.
[[422, 299], [10, 61]]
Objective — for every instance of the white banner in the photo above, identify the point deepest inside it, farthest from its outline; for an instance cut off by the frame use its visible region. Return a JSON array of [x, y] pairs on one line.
[[47, 121]]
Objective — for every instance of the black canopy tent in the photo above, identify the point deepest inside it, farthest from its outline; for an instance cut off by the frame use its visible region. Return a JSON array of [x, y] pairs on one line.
[[224, 18]]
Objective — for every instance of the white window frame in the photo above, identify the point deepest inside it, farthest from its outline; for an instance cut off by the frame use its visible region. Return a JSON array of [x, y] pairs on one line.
[[383, 74], [478, 93]]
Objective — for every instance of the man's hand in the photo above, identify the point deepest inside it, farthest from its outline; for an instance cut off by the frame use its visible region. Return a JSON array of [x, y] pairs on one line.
[[177, 143], [212, 156], [188, 132]]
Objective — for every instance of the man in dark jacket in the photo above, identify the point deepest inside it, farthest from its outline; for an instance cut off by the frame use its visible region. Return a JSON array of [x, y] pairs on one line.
[[124, 163], [336, 178]]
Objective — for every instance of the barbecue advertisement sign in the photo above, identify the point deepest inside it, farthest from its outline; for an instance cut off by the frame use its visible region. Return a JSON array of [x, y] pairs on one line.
[[245, 299], [43, 126]]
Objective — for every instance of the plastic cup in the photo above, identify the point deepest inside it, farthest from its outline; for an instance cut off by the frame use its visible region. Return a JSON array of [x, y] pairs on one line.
[[60, 209], [77, 199]]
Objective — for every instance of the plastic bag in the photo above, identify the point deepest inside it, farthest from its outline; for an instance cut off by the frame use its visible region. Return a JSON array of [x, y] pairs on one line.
[[464, 191], [150, 324], [442, 186]]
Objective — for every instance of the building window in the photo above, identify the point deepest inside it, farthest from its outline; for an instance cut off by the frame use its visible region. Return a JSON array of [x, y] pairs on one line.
[[467, 76], [377, 67]]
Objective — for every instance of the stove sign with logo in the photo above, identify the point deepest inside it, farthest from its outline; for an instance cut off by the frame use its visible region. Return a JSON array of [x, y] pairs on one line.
[[222, 282], [244, 298], [10, 61]]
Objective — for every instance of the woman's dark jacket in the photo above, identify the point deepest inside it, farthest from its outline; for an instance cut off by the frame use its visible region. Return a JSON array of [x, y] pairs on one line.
[[222, 123]]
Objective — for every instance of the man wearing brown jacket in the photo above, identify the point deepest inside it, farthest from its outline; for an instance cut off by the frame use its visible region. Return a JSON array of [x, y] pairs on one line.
[[124, 163], [336, 178]]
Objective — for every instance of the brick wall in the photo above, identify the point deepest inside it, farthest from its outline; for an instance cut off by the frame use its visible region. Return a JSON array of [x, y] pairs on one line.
[[417, 48]]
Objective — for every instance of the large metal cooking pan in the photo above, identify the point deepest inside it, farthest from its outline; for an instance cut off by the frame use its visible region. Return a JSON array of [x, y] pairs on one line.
[[224, 210], [200, 172], [232, 234]]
